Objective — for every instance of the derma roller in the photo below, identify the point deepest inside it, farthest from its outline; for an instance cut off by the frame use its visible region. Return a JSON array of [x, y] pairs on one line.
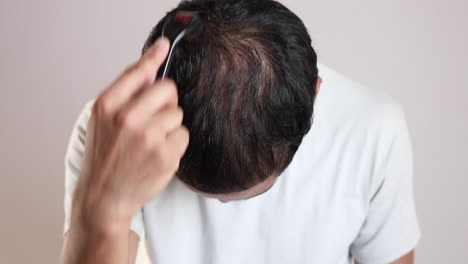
[[184, 25]]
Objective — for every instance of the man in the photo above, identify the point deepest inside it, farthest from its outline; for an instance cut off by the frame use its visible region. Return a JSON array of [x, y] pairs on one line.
[[254, 181]]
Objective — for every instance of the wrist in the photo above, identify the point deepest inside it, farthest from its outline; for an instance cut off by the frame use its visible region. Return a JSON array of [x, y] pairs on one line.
[[100, 216], [90, 242]]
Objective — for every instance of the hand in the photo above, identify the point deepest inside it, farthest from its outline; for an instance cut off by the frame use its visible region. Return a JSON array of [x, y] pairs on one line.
[[134, 143]]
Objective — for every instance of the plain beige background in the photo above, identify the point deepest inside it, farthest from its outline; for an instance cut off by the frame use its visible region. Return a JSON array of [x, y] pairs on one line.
[[55, 55]]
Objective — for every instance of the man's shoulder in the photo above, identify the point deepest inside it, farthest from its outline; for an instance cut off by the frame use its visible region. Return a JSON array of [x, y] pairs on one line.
[[351, 118], [344, 101], [353, 129]]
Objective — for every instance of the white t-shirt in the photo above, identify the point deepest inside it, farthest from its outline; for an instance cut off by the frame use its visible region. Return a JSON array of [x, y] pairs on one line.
[[347, 194]]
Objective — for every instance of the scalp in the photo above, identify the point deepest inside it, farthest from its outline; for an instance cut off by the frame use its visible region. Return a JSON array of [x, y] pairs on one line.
[[247, 86]]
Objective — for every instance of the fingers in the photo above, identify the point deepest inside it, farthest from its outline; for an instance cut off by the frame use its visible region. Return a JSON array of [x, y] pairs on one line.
[[167, 133], [167, 139], [178, 140], [163, 94], [135, 76], [164, 122]]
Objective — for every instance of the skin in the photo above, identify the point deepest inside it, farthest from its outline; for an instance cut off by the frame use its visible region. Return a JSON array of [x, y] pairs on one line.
[[134, 142], [243, 195]]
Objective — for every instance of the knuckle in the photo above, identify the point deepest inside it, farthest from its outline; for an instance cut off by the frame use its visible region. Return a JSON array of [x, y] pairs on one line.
[[169, 82], [184, 132], [101, 106], [179, 111], [184, 138], [170, 87], [179, 114], [124, 121], [176, 114]]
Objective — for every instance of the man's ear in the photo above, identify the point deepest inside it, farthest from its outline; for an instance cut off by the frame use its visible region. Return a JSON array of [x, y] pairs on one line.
[[319, 83]]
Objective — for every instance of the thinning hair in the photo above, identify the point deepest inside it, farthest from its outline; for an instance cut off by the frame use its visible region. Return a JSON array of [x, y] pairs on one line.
[[247, 85]]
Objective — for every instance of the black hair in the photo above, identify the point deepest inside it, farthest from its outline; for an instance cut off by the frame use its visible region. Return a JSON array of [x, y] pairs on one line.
[[247, 86]]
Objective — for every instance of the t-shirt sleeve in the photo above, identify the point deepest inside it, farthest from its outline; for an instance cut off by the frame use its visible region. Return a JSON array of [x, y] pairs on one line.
[[391, 227], [73, 161]]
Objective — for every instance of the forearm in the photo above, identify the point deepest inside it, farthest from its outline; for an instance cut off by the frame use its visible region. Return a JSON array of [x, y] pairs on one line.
[[82, 246], [133, 147], [96, 236]]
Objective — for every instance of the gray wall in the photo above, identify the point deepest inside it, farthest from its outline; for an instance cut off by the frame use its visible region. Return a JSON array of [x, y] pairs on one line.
[[55, 55]]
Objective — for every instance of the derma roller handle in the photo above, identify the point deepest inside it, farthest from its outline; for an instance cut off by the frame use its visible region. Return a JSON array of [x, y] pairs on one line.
[[184, 25]]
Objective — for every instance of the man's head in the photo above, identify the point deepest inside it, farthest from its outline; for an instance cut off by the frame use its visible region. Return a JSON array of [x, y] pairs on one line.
[[247, 85]]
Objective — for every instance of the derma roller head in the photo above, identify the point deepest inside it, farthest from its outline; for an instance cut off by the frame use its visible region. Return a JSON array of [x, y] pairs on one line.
[[184, 25]]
